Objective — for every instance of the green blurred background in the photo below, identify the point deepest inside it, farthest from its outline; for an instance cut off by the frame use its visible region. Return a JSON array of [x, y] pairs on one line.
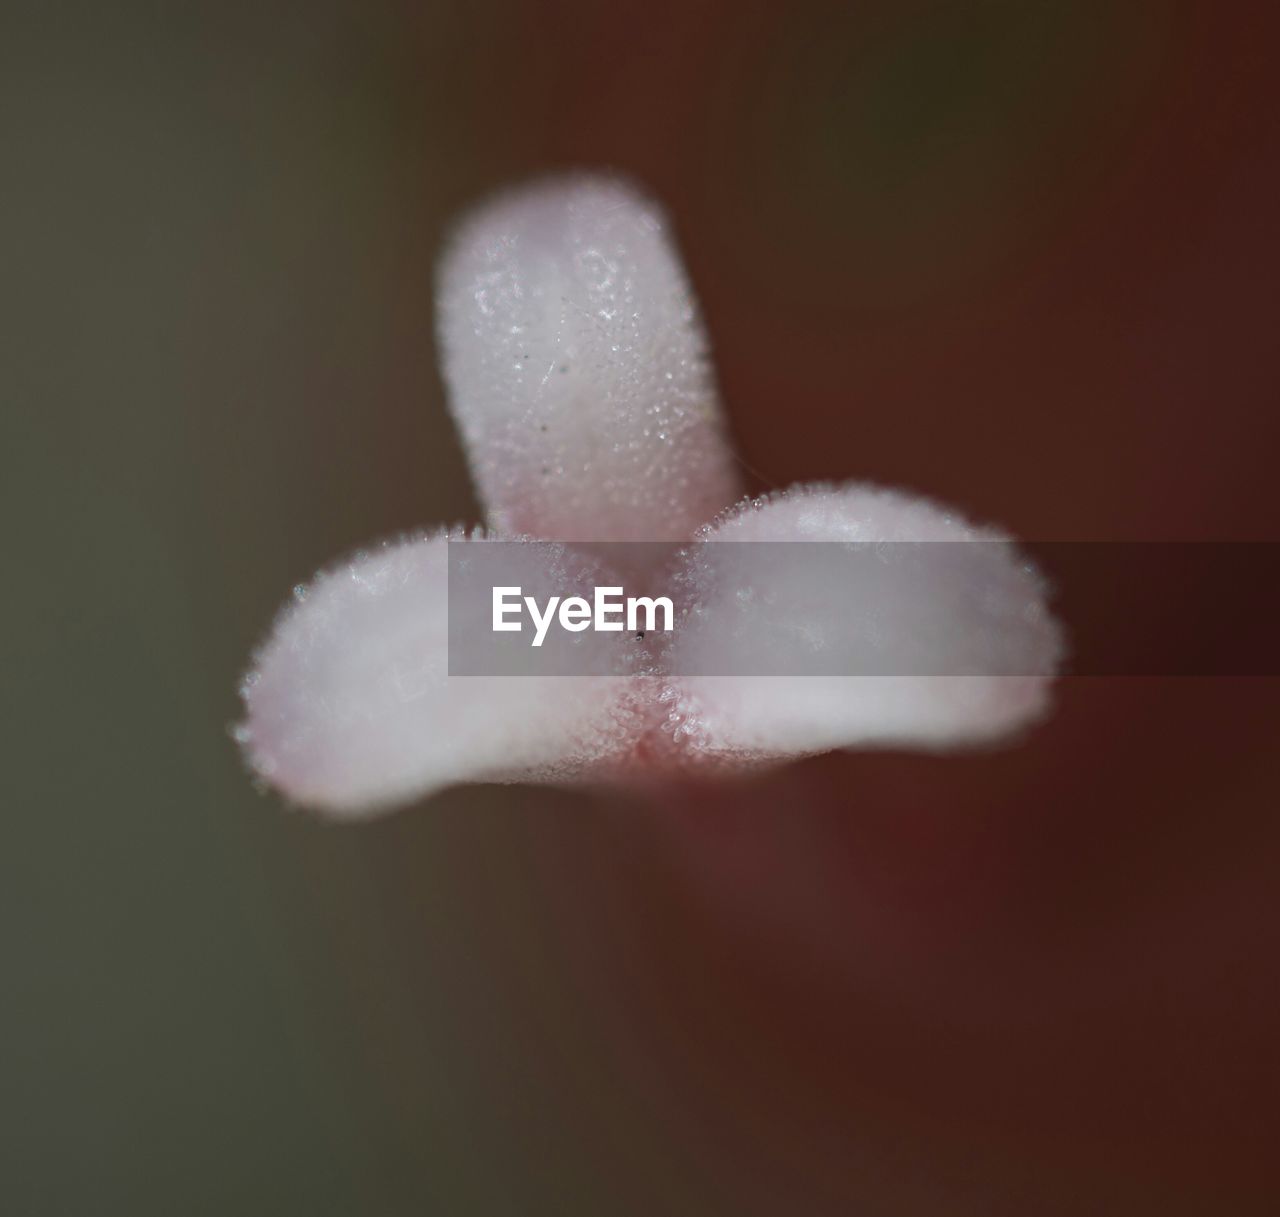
[[1019, 256]]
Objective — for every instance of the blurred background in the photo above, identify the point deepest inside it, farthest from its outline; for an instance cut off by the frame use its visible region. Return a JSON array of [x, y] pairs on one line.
[[1019, 256]]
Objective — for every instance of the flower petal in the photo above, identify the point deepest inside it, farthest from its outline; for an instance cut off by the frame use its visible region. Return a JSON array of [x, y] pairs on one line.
[[925, 645], [577, 367], [350, 705]]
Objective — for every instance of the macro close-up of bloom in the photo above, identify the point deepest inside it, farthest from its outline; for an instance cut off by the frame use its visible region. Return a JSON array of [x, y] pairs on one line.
[[649, 609], [579, 377]]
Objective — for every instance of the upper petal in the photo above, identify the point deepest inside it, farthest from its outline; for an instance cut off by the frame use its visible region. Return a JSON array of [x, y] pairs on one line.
[[577, 367]]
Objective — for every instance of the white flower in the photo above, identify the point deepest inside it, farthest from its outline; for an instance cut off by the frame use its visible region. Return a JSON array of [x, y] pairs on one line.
[[579, 378]]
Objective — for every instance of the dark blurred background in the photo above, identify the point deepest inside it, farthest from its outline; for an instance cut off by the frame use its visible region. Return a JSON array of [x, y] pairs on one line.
[[1020, 256]]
